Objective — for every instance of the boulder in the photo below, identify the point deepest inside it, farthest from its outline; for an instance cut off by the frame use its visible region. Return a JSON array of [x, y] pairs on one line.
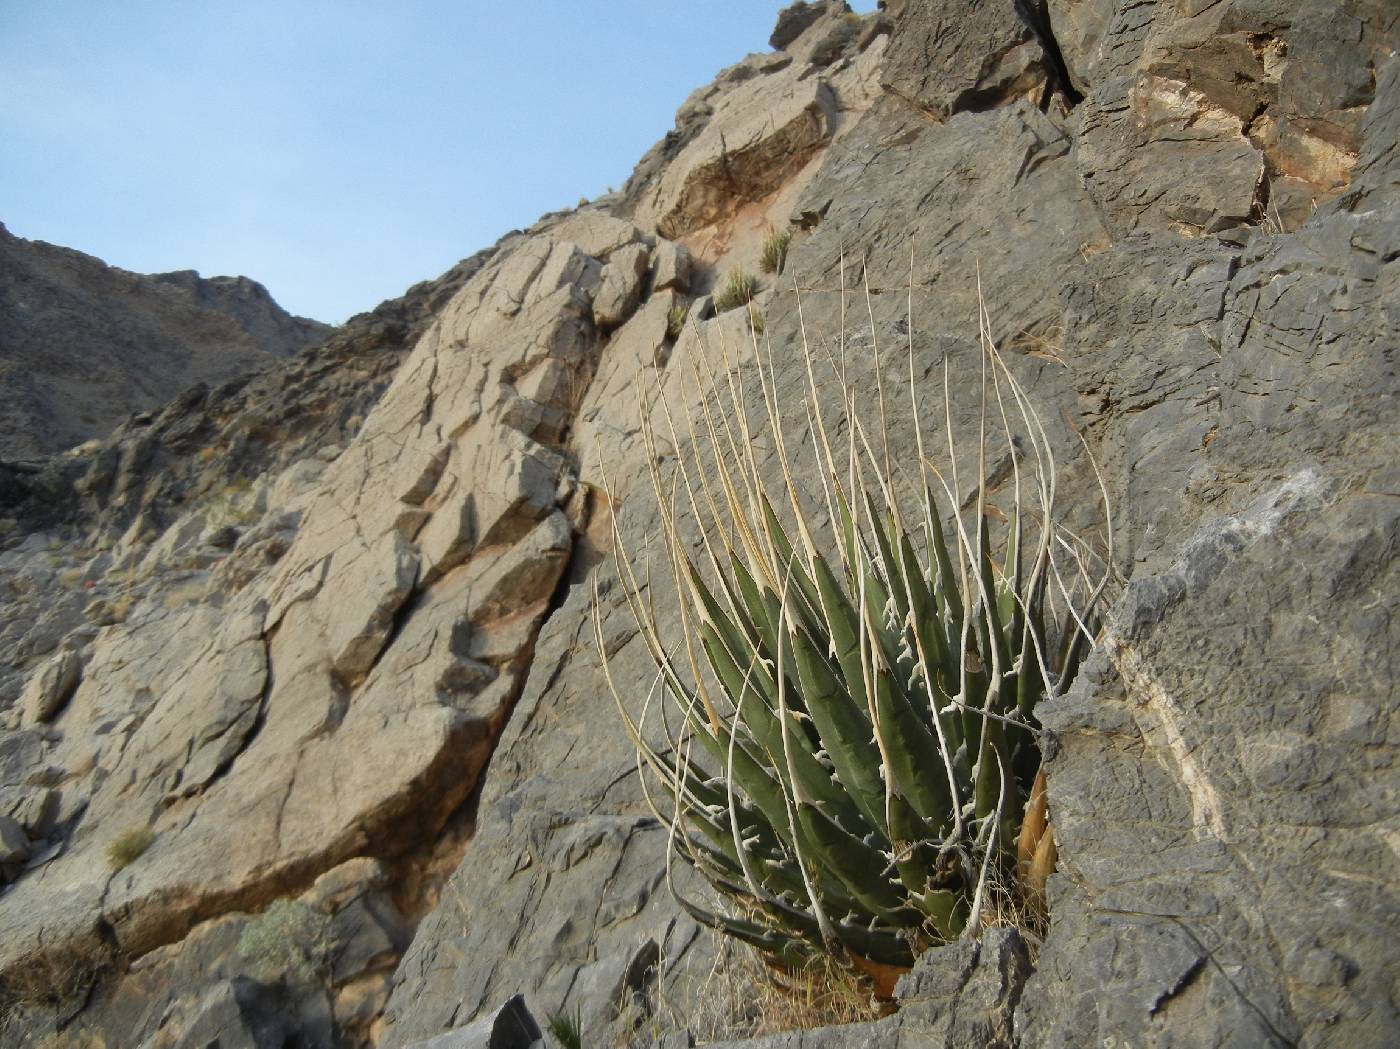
[[621, 286], [50, 687], [795, 20], [670, 266]]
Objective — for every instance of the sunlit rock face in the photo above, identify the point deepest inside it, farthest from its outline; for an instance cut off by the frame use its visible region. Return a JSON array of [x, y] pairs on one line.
[[342, 668]]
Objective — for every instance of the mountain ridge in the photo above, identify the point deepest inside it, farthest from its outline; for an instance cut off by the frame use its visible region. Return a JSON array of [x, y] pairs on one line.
[[84, 344]]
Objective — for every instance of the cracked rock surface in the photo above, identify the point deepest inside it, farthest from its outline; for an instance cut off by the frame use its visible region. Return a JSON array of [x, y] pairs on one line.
[[356, 695]]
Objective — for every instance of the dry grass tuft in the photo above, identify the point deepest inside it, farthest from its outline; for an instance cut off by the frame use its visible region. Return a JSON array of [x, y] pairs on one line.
[[743, 996], [46, 981], [128, 845], [775, 249], [675, 320], [737, 289]]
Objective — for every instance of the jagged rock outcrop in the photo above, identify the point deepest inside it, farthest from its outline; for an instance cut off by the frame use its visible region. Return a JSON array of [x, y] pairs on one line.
[[357, 698], [83, 344], [274, 723], [1236, 113], [1003, 191], [198, 458], [745, 145]]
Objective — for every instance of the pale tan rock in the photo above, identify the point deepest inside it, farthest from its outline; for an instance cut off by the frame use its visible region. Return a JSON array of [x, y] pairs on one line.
[[50, 687], [310, 719], [360, 1001], [38, 810], [567, 266], [523, 575], [367, 585], [296, 484], [760, 135], [621, 286], [609, 419], [422, 470], [515, 277], [203, 709], [337, 886], [597, 234], [670, 266]]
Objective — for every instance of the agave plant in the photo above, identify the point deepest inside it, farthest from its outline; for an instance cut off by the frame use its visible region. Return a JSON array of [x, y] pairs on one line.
[[856, 745]]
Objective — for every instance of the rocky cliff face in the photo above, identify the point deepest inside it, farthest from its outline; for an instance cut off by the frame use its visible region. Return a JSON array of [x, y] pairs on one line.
[[351, 689], [83, 345]]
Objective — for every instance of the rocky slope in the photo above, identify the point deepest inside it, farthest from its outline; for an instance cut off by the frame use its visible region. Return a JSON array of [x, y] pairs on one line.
[[352, 688], [83, 345]]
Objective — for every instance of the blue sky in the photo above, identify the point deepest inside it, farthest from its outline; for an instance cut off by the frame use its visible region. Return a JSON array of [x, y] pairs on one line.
[[336, 151]]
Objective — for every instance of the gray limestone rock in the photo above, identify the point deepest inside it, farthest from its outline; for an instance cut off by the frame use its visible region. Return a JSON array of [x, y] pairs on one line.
[[1194, 114], [960, 55], [510, 1027], [962, 996], [383, 713], [1202, 918], [14, 843], [239, 1014]]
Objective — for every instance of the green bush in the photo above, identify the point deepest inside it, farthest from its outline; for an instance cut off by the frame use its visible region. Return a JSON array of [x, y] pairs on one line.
[[775, 249], [675, 320], [287, 939], [860, 740], [124, 849], [567, 1029], [737, 289]]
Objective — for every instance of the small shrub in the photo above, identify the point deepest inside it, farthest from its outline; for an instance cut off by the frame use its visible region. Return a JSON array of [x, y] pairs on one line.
[[775, 250], [737, 289], [128, 845], [286, 939], [46, 981], [567, 1028], [675, 320]]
